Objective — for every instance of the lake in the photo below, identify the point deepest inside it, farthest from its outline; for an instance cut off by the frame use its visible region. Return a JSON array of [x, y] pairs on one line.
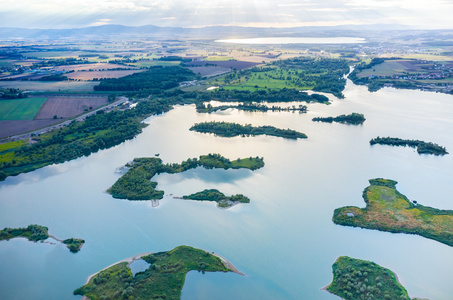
[[295, 40], [284, 240]]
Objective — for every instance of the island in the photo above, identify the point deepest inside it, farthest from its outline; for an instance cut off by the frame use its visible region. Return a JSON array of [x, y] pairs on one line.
[[422, 147], [360, 279], [388, 210], [219, 197], [353, 119], [136, 183], [162, 278], [227, 129], [252, 107], [37, 233]]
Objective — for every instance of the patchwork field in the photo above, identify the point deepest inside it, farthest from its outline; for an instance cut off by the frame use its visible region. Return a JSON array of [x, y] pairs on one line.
[[20, 109], [209, 71], [396, 67], [229, 64], [69, 106], [10, 128]]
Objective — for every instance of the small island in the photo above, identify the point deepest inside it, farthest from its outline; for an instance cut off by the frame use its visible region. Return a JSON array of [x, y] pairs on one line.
[[219, 197], [37, 233], [422, 147], [253, 107], [388, 210], [353, 119], [162, 278], [136, 183], [226, 129], [360, 279]]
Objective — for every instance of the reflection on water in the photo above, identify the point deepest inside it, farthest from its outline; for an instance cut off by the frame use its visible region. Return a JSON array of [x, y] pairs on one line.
[[283, 240]]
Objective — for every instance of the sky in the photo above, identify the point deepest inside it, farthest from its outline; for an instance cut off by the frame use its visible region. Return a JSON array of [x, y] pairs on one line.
[[61, 14]]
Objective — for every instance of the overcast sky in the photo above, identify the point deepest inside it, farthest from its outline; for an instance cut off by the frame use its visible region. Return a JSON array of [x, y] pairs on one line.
[[430, 14]]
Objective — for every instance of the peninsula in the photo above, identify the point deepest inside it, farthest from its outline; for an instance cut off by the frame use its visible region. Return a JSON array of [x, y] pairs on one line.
[[422, 147], [219, 197], [226, 129], [353, 119], [136, 183], [37, 233], [360, 279], [163, 279], [388, 210]]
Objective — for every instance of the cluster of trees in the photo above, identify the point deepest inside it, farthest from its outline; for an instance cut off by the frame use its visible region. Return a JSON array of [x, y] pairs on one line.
[[217, 196], [54, 77], [283, 95], [354, 119], [74, 245], [154, 80], [227, 129], [356, 279], [31, 232], [12, 94], [136, 184], [60, 62], [422, 147]]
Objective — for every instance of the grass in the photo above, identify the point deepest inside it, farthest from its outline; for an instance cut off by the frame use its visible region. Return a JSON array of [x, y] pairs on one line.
[[152, 63], [388, 68], [355, 279], [219, 58], [388, 210], [11, 145], [164, 279], [20, 109]]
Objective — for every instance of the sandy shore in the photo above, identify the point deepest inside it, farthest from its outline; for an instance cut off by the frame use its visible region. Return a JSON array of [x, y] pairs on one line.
[[228, 264]]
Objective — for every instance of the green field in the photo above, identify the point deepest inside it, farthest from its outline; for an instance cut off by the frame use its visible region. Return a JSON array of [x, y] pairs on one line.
[[152, 63], [20, 109]]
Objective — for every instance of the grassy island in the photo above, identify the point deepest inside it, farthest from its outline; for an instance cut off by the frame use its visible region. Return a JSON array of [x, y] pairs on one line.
[[388, 210], [422, 147], [355, 279], [37, 233], [164, 279], [219, 197], [353, 119], [136, 184], [227, 129]]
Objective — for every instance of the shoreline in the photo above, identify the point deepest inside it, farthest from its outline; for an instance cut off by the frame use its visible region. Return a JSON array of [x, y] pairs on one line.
[[228, 264]]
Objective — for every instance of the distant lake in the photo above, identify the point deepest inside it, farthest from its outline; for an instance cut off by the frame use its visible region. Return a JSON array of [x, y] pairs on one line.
[[296, 40]]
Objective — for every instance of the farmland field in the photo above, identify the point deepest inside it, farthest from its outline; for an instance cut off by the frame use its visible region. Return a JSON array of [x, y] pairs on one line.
[[50, 86], [230, 64], [69, 106], [390, 67], [100, 74], [9, 128], [20, 109], [209, 70]]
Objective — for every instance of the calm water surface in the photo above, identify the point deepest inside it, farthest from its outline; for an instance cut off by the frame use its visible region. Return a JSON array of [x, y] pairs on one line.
[[284, 240]]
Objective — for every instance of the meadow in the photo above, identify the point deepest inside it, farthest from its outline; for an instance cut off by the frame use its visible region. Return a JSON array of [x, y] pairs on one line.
[[20, 109]]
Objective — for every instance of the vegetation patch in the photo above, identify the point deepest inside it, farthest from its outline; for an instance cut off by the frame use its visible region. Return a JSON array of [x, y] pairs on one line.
[[37, 233], [20, 109], [164, 279], [422, 147], [301, 73], [227, 129], [353, 119], [136, 184], [388, 210], [355, 279], [219, 197]]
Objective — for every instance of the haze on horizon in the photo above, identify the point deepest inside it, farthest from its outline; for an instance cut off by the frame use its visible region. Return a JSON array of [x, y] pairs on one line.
[[62, 14]]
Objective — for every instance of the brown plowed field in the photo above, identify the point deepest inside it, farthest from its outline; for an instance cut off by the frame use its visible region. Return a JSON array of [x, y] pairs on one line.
[[9, 128], [69, 106], [94, 67], [100, 74]]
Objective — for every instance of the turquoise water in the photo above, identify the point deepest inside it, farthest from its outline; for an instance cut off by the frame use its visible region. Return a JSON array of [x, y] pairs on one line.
[[284, 240]]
